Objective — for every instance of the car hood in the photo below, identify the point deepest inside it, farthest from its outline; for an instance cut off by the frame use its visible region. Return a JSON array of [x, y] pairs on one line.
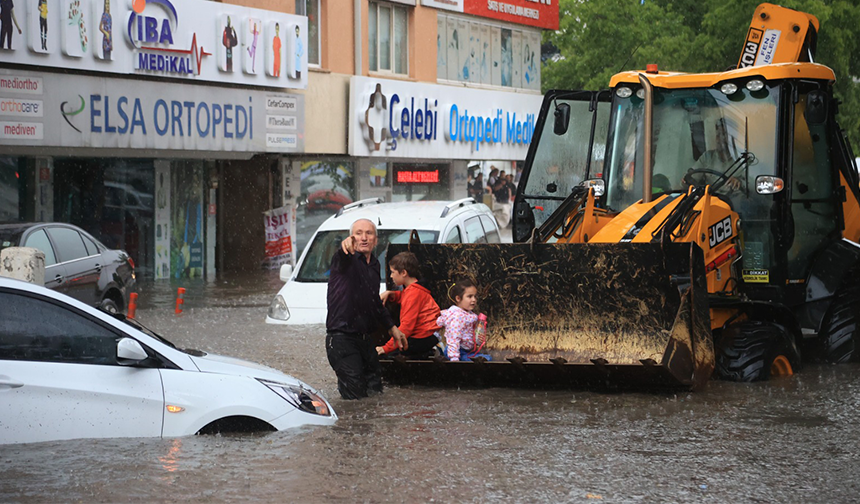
[[213, 363]]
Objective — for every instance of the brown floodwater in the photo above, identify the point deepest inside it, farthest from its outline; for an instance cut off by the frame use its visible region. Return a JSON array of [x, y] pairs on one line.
[[789, 440]]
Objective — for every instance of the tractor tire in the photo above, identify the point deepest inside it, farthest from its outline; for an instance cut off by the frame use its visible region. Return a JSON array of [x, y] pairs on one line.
[[754, 350], [840, 335]]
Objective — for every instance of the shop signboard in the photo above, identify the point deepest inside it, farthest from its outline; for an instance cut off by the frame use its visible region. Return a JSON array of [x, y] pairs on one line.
[[451, 5], [397, 119], [538, 13], [51, 110], [196, 40]]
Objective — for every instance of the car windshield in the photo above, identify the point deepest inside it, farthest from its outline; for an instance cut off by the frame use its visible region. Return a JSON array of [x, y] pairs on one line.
[[699, 129], [9, 237], [315, 267]]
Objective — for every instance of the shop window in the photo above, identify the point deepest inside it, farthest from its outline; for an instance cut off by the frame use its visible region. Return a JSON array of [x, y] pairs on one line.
[[388, 45], [311, 9], [487, 53], [416, 182], [326, 186], [379, 175], [111, 199], [13, 177]]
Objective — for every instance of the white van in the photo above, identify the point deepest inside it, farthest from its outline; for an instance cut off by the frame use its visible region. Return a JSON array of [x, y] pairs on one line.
[[302, 299]]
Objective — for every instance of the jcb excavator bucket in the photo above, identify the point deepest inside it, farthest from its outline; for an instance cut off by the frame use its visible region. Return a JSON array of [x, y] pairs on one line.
[[574, 315]]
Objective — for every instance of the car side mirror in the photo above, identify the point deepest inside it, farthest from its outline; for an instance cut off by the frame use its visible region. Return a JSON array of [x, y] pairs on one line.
[[129, 352], [768, 184], [286, 272], [562, 119]]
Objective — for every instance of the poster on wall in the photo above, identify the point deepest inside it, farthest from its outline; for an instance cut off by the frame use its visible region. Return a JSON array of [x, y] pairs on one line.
[[453, 48], [496, 60], [162, 220], [484, 55], [474, 52], [463, 50], [531, 60], [279, 238], [517, 59], [441, 48], [186, 222]]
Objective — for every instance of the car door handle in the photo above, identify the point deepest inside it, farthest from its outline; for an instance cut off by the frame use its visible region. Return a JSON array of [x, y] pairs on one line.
[[98, 267], [58, 278], [5, 383]]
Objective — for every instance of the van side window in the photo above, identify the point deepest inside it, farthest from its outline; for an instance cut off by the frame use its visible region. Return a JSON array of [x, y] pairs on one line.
[[474, 230], [454, 236], [491, 229]]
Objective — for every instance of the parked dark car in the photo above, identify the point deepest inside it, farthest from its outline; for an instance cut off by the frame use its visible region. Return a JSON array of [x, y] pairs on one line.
[[76, 264]]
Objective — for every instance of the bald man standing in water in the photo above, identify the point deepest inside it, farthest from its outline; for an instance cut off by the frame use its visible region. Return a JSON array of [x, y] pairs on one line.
[[354, 311]]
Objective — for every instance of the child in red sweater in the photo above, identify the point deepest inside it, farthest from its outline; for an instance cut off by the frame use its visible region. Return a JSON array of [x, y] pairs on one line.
[[418, 311]]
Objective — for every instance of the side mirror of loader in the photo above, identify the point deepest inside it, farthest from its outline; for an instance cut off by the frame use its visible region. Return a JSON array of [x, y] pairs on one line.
[[562, 119]]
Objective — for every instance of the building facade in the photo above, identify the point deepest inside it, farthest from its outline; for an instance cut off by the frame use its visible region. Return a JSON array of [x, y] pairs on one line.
[[168, 132]]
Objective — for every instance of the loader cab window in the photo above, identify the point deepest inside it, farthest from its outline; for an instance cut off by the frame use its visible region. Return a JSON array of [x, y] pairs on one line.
[[696, 133], [556, 162]]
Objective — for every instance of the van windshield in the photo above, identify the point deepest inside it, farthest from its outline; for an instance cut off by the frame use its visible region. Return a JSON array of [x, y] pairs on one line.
[[315, 267]]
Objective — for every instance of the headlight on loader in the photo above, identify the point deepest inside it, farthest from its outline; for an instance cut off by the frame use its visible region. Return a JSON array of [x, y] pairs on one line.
[[278, 309]]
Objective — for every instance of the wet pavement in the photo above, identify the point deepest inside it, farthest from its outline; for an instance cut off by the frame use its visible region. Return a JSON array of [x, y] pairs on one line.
[[789, 440]]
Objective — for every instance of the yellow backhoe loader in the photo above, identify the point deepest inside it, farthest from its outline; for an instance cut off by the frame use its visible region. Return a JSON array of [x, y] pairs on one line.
[[674, 228]]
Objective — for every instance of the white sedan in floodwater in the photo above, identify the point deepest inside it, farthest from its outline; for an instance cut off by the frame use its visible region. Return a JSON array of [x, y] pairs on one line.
[[68, 370]]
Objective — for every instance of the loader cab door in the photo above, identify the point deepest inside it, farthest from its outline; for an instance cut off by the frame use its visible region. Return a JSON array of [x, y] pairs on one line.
[[567, 148], [813, 185]]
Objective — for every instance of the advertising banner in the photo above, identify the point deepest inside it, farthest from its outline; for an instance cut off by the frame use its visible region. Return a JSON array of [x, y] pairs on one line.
[[397, 119], [539, 13], [280, 226], [53, 110], [194, 40]]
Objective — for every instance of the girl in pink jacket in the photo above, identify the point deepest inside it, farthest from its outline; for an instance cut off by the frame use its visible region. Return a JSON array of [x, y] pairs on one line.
[[459, 320]]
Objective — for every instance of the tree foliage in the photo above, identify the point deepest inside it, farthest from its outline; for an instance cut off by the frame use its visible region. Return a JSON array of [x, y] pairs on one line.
[[597, 39]]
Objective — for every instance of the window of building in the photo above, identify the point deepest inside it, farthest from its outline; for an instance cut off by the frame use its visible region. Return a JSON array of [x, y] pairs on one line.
[[487, 53], [311, 9], [388, 45]]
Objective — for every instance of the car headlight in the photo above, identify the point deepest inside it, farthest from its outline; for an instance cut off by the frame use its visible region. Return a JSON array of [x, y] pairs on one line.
[[301, 398], [278, 309]]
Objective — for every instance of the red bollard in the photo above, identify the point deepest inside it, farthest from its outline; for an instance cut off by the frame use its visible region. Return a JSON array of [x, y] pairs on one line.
[[180, 295], [132, 305]]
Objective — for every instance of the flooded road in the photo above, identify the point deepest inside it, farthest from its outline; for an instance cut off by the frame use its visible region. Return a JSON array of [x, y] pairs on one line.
[[789, 440]]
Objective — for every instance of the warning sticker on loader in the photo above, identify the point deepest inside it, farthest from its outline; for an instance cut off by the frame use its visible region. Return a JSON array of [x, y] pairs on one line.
[[756, 276]]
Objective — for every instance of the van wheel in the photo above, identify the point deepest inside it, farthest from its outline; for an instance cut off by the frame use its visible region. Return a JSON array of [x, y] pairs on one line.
[[755, 350], [109, 305], [841, 330]]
